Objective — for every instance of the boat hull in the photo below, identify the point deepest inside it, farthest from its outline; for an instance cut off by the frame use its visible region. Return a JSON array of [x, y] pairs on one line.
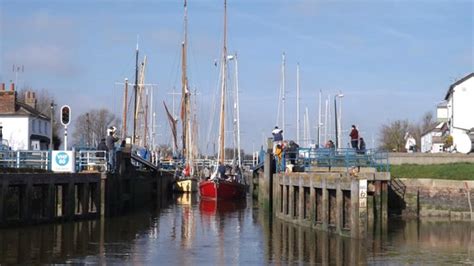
[[186, 185], [221, 189]]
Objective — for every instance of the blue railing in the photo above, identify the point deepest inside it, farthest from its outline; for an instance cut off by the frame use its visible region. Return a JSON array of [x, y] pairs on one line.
[[311, 158], [85, 160]]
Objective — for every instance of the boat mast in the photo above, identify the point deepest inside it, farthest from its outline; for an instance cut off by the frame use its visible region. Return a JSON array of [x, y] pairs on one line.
[[135, 90], [221, 155], [298, 103], [185, 116], [124, 117], [319, 121], [143, 103], [239, 159], [283, 93]]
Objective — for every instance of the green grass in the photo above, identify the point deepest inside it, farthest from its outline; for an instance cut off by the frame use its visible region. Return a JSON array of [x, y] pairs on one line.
[[453, 171]]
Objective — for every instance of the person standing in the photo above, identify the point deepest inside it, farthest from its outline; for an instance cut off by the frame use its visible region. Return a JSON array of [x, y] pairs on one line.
[[110, 142], [361, 146], [277, 137], [354, 137]]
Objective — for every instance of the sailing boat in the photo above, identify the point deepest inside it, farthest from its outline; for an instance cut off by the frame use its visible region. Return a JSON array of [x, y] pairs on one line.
[[222, 185], [186, 182]]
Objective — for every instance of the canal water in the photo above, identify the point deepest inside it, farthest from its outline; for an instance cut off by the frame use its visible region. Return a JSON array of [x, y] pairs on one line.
[[189, 232]]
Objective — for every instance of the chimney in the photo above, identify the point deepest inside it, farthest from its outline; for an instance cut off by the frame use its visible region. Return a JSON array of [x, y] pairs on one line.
[[30, 99], [7, 100], [2, 87]]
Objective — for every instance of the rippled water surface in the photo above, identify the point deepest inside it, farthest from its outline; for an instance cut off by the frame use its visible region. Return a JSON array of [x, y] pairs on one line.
[[189, 232]]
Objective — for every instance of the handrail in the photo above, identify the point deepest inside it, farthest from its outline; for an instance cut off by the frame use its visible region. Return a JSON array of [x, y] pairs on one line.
[[310, 158], [25, 159], [91, 160]]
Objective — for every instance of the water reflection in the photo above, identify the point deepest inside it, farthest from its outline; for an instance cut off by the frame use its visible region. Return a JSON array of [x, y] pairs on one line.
[[190, 232]]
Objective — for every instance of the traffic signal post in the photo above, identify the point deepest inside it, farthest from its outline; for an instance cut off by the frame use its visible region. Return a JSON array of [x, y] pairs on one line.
[[65, 120]]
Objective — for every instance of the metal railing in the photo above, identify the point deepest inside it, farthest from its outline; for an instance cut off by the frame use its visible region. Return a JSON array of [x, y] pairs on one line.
[[25, 159], [311, 158], [91, 161]]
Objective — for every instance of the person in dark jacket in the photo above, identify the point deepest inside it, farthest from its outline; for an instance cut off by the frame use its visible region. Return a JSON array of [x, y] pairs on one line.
[[102, 148], [292, 151], [361, 146], [110, 142]]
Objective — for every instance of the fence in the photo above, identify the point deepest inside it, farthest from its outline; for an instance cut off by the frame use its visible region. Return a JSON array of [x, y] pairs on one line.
[[25, 159], [85, 160], [310, 158], [92, 160]]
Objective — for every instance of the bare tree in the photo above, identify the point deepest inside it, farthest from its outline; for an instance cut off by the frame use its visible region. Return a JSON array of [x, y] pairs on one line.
[[392, 135], [427, 123], [92, 126]]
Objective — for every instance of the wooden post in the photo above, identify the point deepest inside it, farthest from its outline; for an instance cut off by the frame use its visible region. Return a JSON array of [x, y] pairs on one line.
[[84, 201], [25, 200], [69, 200], [50, 206], [312, 202], [301, 199], [3, 195], [339, 207], [325, 205]]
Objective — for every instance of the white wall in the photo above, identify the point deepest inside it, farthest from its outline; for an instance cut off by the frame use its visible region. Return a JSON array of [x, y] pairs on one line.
[[463, 105], [442, 114], [16, 131]]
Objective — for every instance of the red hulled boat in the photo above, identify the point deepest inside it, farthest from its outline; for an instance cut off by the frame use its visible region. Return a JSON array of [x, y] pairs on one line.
[[222, 189]]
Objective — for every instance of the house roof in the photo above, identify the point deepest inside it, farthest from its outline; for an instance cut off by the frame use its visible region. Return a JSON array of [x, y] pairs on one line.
[[451, 88], [23, 109], [443, 104], [440, 127]]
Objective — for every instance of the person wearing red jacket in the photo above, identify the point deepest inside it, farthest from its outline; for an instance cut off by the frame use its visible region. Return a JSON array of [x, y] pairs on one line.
[[354, 137]]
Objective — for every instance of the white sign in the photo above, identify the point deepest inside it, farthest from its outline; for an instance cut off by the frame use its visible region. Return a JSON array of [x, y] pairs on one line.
[[63, 161], [363, 193]]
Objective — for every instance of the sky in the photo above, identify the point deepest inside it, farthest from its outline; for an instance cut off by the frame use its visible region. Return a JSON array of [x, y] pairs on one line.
[[390, 59]]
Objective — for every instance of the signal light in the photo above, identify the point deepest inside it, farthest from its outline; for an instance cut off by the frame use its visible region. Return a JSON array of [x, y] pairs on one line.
[[65, 115]]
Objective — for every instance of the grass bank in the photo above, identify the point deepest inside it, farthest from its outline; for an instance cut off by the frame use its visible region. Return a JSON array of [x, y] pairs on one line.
[[453, 171]]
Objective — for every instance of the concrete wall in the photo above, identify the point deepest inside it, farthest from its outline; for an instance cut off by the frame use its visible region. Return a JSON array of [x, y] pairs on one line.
[[432, 198], [429, 158]]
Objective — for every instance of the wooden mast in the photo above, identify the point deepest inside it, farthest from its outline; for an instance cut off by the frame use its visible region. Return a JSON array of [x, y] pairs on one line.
[[135, 90], [223, 91], [124, 117], [185, 109]]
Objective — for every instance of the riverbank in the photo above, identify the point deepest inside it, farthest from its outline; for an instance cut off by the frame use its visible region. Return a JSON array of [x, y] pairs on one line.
[[447, 171]]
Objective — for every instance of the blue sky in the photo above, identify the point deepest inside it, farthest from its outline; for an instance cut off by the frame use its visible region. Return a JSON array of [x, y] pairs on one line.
[[391, 59]]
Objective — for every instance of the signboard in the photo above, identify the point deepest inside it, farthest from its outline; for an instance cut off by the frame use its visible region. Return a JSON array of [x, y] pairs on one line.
[[63, 161], [363, 193]]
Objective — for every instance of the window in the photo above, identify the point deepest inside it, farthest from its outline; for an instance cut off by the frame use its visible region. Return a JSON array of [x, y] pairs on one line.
[[45, 128], [33, 126], [40, 130]]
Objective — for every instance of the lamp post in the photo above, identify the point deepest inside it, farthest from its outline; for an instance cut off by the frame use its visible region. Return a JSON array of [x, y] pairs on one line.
[[339, 95]]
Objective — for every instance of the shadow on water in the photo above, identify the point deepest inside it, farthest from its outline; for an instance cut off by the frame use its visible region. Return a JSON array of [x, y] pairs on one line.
[[190, 232]]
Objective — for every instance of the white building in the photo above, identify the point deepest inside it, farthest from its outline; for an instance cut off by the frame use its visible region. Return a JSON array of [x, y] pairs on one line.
[[22, 127], [457, 110], [432, 141]]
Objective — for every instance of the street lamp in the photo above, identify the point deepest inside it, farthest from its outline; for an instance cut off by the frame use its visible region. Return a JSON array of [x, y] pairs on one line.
[[339, 95]]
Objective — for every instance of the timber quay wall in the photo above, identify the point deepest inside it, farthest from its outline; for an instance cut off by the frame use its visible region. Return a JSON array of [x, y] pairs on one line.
[[31, 198], [331, 201]]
